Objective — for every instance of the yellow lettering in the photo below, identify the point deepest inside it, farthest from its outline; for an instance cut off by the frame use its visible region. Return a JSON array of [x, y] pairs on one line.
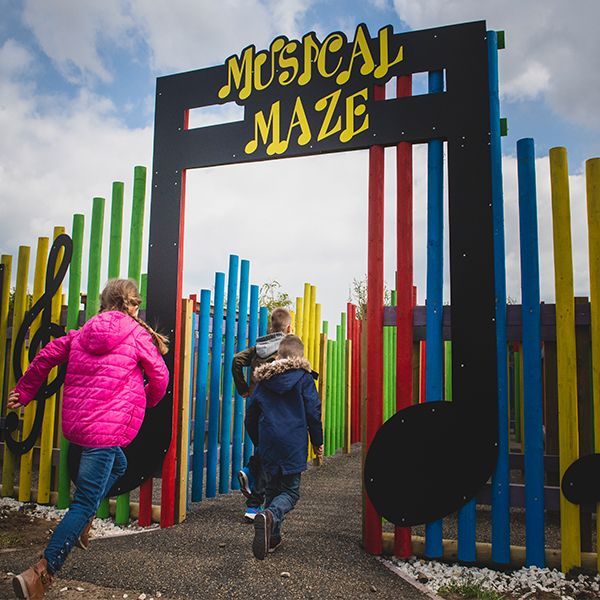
[[299, 120], [353, 110], [311, 51], [262, 58], [239, 71], [289, 62], [360, 48], [384, 53], [264, 127], [330, 102], [333, 43]]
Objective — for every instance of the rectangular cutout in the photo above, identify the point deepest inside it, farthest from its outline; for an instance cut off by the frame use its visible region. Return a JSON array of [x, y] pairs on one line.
[[216, 114]]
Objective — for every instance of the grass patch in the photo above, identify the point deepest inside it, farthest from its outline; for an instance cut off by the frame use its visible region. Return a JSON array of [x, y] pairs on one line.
[[470, 590]]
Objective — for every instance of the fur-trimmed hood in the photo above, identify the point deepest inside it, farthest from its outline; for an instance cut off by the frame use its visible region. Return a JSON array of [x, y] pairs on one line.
[[282, 374], [281, 365]]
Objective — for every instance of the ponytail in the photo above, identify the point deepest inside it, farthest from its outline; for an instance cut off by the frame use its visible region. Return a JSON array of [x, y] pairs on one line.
[[160, 341]]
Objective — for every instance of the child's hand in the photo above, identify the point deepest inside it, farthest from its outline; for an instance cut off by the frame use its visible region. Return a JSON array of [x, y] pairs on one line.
[[318, 450], [13, 400]]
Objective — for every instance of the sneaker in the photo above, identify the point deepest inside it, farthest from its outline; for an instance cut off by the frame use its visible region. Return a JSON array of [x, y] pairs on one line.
[[275, 543], [83, 541], [244, 482], [251, 513], [262, 534], [33, 583]]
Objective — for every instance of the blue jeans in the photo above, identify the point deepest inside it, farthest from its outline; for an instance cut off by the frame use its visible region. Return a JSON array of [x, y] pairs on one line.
[[99, 470], [281, 494]]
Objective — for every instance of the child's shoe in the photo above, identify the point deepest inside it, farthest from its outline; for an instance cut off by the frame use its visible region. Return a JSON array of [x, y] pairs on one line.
[[274, 543], [244, 479], [33, 583], [83, 541], [251, 513], [263, 524]]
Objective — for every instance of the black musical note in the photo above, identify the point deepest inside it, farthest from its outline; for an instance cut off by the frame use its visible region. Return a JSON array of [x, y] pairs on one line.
[[581, 481], [47, 331]]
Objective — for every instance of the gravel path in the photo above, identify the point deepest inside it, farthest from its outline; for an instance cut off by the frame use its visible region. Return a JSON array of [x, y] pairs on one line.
[[209, 555]]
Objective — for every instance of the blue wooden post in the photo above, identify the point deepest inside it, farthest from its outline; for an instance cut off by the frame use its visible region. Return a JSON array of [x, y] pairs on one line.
[[215, 388], [238, 410], [532, 360], [252, 334], [435, 278], [201, 381], [263, 321], [500, 479], [226, 403]]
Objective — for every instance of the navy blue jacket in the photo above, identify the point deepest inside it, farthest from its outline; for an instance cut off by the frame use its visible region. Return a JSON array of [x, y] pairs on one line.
[[282, 410]]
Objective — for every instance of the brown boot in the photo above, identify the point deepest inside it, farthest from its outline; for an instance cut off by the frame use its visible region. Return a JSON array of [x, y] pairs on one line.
[[83, 541], [33, 583]]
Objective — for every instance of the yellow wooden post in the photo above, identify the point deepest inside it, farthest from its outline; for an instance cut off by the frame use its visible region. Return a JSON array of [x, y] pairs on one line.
[[312, 340], [19, 306], [299, 315], [49, 422], [184, 410], [306, 321], [39, 279], [293, 315], [592, 177], [6, 260], [568, 433], [348, 397]]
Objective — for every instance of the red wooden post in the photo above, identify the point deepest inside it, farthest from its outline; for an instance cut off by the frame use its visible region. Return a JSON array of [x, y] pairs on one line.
[[372, 531], [167, 500], [404, 290]]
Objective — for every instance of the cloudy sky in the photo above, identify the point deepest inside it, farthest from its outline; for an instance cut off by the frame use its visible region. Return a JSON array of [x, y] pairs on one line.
[[77, 83]]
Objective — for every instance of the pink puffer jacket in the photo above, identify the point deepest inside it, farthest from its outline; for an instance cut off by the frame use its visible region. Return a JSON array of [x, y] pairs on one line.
[[104, 398]]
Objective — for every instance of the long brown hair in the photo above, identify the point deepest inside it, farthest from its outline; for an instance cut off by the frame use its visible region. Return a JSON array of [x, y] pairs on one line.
[[122, 295]]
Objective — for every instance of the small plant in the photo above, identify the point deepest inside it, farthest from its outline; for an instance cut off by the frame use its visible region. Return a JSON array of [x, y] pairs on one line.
[[467, 590]]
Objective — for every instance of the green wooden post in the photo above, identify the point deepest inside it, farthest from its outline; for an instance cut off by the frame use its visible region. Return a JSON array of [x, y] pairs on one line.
[[339, 414], [73, 306], [143, 289], [329, 396], [393, 344], [116, 231], [137, 224], [448, 369], [92, 304]]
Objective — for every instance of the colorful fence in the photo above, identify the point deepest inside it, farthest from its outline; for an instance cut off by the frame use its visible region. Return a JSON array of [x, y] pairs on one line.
[[208, 434], [548, 388]]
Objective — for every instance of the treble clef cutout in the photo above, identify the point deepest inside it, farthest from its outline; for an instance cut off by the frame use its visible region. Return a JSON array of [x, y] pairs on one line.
[[46, 331]]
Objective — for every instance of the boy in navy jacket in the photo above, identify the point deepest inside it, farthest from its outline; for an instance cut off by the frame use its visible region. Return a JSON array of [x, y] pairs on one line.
[[283, 409]]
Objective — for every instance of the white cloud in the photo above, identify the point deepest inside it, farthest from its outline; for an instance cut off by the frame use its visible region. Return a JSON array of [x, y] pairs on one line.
[[14, 59], [70, 32], [552, 47]]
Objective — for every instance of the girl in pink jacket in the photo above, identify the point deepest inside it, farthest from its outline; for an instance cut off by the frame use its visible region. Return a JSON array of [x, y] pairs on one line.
[[103, 406]]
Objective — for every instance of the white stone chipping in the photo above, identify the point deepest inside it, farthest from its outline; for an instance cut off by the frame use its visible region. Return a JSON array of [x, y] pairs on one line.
[[100, 527], [522, 583]]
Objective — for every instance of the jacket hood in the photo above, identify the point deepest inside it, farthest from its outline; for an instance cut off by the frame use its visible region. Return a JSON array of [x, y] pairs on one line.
[[283, 374], [267, 345], [103, 332]]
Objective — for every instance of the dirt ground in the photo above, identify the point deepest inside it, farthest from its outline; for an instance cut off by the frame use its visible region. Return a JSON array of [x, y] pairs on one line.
[[20, 531]]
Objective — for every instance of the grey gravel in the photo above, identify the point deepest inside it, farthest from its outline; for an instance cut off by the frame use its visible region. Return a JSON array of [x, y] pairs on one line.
[[321, 550]]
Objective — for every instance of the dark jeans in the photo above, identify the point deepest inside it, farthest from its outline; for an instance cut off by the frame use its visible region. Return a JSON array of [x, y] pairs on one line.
[[281, 494], [257, 496], [99, 469]]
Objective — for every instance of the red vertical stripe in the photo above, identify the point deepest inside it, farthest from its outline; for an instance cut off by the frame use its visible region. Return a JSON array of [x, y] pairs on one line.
[[372, 529], [404, 287]]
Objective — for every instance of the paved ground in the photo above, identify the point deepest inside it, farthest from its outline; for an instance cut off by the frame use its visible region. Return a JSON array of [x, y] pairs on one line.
[[209, 556]]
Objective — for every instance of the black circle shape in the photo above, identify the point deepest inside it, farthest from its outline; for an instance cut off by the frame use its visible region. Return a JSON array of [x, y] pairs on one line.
[[581, 481], [428, 460]]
